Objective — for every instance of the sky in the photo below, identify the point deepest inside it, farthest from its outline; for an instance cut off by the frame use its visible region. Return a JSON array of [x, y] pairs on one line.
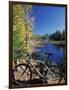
[[48, 19]]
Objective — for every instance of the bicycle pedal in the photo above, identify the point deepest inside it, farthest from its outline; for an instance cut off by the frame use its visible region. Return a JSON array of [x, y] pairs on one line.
[[44, 80]]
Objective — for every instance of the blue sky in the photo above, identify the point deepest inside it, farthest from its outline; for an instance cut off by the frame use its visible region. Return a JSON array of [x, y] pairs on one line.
[[48, 19]]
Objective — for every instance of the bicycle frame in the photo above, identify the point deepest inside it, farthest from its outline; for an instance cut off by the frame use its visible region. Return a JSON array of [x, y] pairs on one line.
[[46, 67]]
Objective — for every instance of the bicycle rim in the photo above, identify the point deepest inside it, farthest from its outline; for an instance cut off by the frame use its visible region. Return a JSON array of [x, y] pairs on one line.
[[22, 74], [54, 76]]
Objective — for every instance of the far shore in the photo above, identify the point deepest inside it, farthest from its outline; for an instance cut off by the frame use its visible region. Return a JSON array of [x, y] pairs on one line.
[[60, 43], [40, 43]]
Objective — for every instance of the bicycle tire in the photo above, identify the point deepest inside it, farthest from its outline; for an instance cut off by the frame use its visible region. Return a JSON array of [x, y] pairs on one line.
[[19, 81], [58, 75]]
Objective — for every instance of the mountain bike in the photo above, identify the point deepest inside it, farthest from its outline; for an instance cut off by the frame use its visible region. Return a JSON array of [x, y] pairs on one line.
[[50, 74]]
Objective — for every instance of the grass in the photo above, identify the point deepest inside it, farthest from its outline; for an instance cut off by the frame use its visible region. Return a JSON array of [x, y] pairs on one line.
[[62, 43]]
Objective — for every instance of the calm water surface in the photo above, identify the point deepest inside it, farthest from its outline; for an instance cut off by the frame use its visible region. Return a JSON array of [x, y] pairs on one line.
[[58, 53]]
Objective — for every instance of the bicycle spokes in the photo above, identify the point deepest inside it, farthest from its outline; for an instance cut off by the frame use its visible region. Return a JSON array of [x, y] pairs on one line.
[[22, 73]]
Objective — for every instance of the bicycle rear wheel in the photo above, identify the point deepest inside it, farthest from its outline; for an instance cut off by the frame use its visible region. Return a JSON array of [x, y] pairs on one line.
[[54, 75], [22, 74]]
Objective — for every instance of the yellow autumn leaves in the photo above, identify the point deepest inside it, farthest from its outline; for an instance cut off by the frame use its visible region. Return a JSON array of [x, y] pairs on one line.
[[21, 30]]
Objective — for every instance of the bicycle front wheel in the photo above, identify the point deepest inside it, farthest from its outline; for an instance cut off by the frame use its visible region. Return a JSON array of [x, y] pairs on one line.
[[54, 75], [22, 74]]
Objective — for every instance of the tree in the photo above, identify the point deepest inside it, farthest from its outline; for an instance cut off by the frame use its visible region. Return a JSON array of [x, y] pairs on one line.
[[63, 35], [45, 36], [21, 27], [55, 36]]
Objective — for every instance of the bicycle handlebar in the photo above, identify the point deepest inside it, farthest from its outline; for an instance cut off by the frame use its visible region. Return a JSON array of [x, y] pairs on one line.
[[50, 54], [47, 55]]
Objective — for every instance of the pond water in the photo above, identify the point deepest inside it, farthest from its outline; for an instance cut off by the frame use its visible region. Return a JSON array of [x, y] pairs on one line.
[[57, 51]]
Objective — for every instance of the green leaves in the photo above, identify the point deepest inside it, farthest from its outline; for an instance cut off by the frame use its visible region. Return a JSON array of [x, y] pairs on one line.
[[21, 26]]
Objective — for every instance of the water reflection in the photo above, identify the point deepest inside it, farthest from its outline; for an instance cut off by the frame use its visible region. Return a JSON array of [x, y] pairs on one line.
[[57, 51]]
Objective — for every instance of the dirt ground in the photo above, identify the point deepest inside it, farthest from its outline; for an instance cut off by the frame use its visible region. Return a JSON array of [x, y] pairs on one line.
[[35, 80]]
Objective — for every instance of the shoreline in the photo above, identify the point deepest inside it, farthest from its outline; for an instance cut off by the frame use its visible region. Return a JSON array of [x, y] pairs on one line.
[[41, 43], [59, 43]]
